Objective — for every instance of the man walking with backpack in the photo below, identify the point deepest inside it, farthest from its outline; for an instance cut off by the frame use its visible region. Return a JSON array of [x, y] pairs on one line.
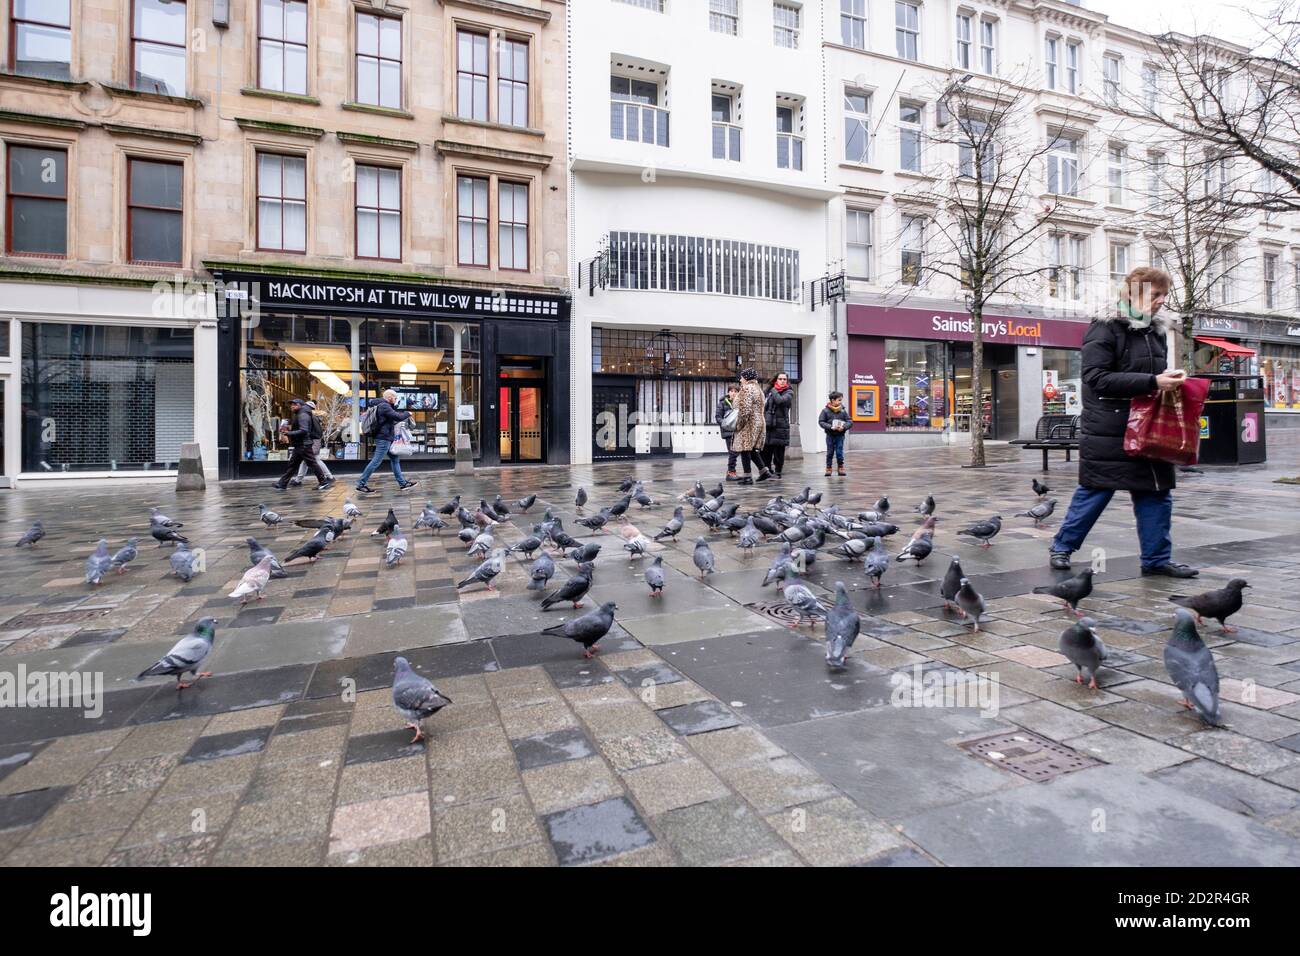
[[317, 438], [379, 422], [299, 436]]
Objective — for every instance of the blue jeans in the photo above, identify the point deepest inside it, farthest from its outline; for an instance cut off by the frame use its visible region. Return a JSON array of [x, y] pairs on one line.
[[377, 459], [834, 448], [1153, 510]]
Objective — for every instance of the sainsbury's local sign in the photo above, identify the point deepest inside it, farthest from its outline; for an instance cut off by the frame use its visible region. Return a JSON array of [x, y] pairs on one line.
[[887, 322]]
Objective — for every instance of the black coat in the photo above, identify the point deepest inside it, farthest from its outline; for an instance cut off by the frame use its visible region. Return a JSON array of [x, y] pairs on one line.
[[299, 433], [1119, 363], [386, 417], [776, 415], [722, 411]]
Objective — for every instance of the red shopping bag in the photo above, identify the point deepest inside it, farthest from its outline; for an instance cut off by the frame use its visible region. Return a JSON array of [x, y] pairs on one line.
[[1166, 426]]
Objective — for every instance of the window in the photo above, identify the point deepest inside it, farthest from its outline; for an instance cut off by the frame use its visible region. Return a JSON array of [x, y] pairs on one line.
[[724, 17], [1066, 255], [1118, 262], [472, 75], [1050, 53], [907, 29], [673, 263], [964, 59], [512, 82], [379, 60], [857, 126], [861, 256], [472, 221], [785, 25], [789, 144], [1115, 174], [36, 196], [1157, 189], [1063, 166], [281, 202], [1296, 281], [914, 380], [656, 5], [726, 132], [988, 47], [974, 143], [379, 212], [41, 38], [909, 136], [853, 23], [154, 216], [158, 35], [634, 113], [1110, 78], [1220, 272], [1150, 87], [912, 246], [1270, 281], [512, 226], [282, 46], [1072, 54], [1214, 175]]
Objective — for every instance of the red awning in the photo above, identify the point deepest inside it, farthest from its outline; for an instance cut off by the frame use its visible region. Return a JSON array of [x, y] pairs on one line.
[[1232, 348]]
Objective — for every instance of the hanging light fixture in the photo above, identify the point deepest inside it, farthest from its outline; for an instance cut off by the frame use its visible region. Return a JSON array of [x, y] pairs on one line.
[[737, 346], [665, 348], [408, 372], [328, 378]]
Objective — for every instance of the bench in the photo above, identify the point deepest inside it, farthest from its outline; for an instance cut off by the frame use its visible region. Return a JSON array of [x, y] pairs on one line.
[[1051, 433]]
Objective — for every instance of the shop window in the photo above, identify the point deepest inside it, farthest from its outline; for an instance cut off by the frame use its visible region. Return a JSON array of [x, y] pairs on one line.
[[36, 191], [1280, 366], [1062, 382], [915, 385]]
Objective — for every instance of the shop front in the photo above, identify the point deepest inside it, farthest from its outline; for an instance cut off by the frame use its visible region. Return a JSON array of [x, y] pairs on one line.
[[910, 372], [487, 365], [1279, 363]]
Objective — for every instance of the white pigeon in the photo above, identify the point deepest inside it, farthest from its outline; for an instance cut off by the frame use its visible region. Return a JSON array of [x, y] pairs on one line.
[[350, 510], [254, 581], [396, 548]]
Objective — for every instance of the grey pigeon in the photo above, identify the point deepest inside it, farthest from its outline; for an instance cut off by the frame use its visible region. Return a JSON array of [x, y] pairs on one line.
[[482, 544], [597, 521], [500, 507], [540, 574], [585, 553], [673, 527], [269, 518], [703, 557], [984, 531], [486, 571], [589, 628], [98, 563], [882, 505], [386, 526], [429, 518], [644, 500], [1039, 512], [749, 536], [34, 534], [451, 507], [186, 656], [312, 547], [256, 553], [878, 529], [842, 626], [1080, 643], [572, 590], [853, 549], [1218, 605], [876, 562], [1191, 667], [467, 535], [970, 603], [526, 546], [182, 562], [580, 498], [254, 581], [526, 502], [926, 507], [1040, 489], [158, 518], [415, 697], [654, 576], [164, 534], [918, 549], [125, 555], [395, 550], [350, 510], [781, 565], [951, 583], [638, 547], [1072, 590], [799, 597]]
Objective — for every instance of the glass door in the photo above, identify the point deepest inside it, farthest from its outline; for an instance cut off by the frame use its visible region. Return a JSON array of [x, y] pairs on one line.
[[507, 406], [521, 423]]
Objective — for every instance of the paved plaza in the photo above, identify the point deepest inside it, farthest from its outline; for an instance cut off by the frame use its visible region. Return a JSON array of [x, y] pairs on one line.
[[704, 732]]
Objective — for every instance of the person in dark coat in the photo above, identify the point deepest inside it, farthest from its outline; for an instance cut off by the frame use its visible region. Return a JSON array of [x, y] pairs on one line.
[[835, 422], [299, 435], [317, 440], [1124, 357], [776, 417], [386, 419], [726, 405]]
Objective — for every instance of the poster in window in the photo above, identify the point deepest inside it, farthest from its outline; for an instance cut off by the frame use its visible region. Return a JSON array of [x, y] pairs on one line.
[[866, 403]]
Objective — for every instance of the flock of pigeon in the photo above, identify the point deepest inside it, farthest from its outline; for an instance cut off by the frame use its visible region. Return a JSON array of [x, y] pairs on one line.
[[798, 524]]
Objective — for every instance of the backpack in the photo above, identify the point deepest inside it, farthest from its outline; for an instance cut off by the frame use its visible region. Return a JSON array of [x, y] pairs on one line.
[[370, 420], [314, 431]]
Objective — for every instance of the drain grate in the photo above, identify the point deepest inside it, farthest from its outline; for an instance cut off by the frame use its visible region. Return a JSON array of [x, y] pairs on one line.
[[780, 612], [51, 618], [1029, 755]]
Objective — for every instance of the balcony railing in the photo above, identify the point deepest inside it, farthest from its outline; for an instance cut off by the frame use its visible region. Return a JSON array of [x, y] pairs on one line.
[[789, 151], [726, 142], [638, 123]]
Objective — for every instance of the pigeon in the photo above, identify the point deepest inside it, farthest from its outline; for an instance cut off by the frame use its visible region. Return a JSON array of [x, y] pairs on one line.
[[927, 527], [451, 507], [158, 518], [186, 656], [482, 544], [525, 547], [336, 526], [499, 507], [561, 539], [804, 601], [386, 526], [597, 521], [350, 510], [629, 531], [256, 553], [395, 549], [1218, 605], [486, 571], [580, 498], [853, 549], [749, 536], [878, 529], [589, 628], [654, 576], [637, 547], [765, 524], [1080, 643], [526, 502], [1191, 667], [540, 574], [951, 582], [918, 549], [269, 518], [429, 518], [34, 534], [254, 581], [842, 626], [802, 497], [794, 534], [882, 505], [467, 535], [183, 563], [876, 562], [98, 563], [970, 603], [582, 555], [926, 507], [1072, 590], [783, 562], [703, 557], [984, 531], [1040, 489], [644, 500], [125, 555], [673, 527], [312, 547], [627, 484], [573, 589], [163, 534], [619, 508], [415, 697], [1039, 512], [465, 518]]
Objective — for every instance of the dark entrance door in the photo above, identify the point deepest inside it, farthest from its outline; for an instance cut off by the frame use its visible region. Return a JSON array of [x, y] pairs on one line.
[[522, 411], [613, 400]]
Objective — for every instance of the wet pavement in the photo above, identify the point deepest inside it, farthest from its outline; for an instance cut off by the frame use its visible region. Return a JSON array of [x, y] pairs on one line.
[[705, 732]]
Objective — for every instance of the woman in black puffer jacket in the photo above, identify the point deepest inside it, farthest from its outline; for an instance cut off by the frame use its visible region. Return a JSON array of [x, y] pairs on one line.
[[1124, 357], [776, 416]]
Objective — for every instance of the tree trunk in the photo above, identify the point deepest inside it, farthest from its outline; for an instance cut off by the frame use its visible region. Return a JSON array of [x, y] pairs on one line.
[[977, 396]]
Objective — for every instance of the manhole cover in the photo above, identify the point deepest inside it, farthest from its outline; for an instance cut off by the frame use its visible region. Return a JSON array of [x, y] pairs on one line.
[[781, 612], [58, 617], [1029, 755]]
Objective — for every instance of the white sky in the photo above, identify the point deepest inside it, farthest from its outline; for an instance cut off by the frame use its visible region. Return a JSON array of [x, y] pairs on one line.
[[1226, 20]]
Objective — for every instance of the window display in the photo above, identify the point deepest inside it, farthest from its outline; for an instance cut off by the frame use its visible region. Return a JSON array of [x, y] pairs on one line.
[[1062, 382], [914, 396], [1280, 366]]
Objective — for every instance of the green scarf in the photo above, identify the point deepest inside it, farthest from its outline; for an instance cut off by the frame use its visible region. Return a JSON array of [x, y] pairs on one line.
[[1138, 320]]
